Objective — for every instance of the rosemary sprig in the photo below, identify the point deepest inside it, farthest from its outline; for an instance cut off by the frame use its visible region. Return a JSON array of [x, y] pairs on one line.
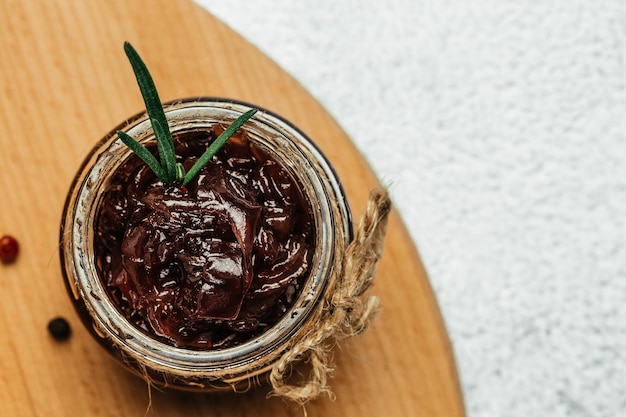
[[217, 145], [144, 154], [168, 170], [155, 112]]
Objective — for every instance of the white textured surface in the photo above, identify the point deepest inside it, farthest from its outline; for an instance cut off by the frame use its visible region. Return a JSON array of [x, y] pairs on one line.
[[501, 125]]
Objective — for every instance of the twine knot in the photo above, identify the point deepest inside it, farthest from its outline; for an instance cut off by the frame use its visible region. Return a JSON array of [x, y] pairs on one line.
[[345, 313]]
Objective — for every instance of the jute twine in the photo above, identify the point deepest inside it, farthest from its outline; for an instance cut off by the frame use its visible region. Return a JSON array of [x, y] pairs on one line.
[[345, 312]]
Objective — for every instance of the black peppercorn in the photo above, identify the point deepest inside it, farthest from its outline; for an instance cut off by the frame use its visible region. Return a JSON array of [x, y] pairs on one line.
[[59, 328]]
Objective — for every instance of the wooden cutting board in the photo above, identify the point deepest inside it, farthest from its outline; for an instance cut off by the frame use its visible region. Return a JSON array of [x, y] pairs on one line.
[[64, 83]]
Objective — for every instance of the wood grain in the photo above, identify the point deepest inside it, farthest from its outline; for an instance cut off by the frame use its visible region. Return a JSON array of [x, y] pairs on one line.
[[65, 82]]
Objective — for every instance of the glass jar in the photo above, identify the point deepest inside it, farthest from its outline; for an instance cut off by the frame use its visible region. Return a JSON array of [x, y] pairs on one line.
[[165, 365]]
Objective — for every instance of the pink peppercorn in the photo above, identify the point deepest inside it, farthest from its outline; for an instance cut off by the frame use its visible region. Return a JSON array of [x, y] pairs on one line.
[[9, 248]]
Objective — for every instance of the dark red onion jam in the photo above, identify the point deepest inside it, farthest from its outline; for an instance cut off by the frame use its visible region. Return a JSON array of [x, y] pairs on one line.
[[213, 264]]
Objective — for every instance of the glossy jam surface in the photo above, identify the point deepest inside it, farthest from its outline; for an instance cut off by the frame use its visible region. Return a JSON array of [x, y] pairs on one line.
[[213, 264]]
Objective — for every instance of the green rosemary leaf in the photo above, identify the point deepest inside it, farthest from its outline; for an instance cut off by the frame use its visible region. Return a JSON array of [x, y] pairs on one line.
[[180, 172], [217, 145], [144, 154], [166, 147], [154, 107]]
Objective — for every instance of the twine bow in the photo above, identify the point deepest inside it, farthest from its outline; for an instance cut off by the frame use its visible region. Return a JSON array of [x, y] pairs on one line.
[[345, 313]]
